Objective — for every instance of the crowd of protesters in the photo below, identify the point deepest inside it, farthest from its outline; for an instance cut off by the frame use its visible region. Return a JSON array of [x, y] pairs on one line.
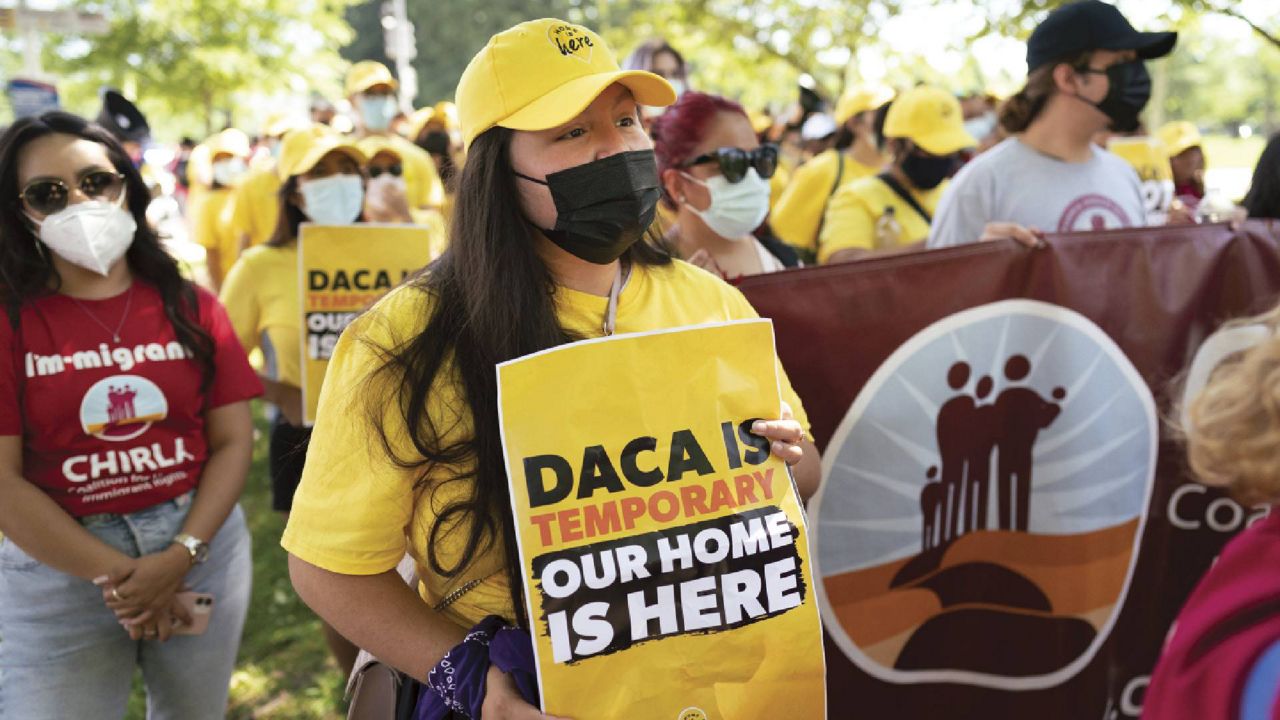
[[676, 194]]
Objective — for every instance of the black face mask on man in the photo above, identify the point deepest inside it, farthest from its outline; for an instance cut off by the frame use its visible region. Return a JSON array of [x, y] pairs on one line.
[[927, 172], [604, 206], [1129, 89]]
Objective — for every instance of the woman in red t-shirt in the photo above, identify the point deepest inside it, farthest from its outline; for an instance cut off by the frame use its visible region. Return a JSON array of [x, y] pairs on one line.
[[125, 438]]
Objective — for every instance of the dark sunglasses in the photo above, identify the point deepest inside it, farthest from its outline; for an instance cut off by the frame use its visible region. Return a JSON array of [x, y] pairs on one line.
[[50, 196], [734, 162], [395, 170]]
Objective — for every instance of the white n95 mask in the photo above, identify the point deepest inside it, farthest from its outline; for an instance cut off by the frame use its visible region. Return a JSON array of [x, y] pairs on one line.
[[334, 200], [91, 234], [736, 209]]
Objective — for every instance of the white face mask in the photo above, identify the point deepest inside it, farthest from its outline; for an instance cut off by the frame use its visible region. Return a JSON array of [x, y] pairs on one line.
[[377, 111], [335, 200], [228, 172], [92, 235], [736, 208], [982, 126]]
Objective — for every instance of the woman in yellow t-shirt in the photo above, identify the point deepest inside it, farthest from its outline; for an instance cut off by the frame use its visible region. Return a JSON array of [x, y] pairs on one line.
[[406, 453], [321, 182], [893, 210]]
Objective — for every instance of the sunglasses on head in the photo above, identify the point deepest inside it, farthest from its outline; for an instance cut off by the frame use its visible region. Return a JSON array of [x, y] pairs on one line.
[[734, 162], [50, 196], [395, 170]]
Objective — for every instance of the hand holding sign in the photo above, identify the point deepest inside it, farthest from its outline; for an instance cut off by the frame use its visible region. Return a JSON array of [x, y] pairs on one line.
[[661, 537]]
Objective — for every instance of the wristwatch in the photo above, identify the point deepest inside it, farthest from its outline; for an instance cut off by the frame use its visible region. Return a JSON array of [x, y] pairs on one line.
[[198, 548]]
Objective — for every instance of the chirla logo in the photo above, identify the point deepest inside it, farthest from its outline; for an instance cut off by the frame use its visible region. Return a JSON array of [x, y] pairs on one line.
[[692, 713], [571, 41], [983, 501], [122, 407]]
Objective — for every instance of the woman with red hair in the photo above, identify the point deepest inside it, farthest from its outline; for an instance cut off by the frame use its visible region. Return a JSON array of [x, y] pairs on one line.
[[715, 176]]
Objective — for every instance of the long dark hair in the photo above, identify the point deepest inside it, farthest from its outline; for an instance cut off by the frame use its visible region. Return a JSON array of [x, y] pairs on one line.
[[291, 216], [492, 301], [25, 269], [1263, 199]]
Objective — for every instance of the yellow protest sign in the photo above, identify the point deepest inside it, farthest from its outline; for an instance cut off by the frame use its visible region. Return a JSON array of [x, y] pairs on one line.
[[666, 563], [342, 269]]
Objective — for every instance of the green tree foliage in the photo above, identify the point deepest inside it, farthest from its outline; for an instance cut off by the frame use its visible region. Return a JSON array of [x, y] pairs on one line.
[[187, 61]]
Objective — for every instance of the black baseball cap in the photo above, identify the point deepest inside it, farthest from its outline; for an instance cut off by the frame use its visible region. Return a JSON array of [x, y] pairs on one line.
[[1091, 25]]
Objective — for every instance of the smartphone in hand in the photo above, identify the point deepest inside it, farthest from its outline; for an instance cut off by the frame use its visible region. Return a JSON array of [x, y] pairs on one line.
[[200, 607]]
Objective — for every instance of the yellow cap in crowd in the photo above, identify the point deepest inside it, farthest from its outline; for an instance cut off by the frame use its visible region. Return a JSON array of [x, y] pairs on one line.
[[543, 73], [374, 144], [229, 142], [303, 148], [1179, 136], [367, 73], [447, 112], [859, 99], [278, 123], [931, 118]]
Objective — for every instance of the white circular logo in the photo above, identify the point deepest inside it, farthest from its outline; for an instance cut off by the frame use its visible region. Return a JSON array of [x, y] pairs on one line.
[[122, 407], [983, 501]]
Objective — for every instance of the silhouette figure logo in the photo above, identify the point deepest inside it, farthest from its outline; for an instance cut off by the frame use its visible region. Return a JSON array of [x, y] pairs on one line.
[[983, 501], [122, 407]]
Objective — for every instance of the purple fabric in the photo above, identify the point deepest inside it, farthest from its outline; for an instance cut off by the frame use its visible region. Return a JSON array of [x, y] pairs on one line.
[[456, 685]]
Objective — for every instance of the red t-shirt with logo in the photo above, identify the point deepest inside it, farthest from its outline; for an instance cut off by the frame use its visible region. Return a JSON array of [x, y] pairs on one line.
[[114, 427]]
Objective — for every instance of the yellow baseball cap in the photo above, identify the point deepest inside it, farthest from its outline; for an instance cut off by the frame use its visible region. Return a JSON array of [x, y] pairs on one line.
[[759, 121], [419, 119], [301, 149], [542, 73], [374, 144], [448, 114], [230, 141], [278, 123], [1179, 136], [931, 118], [367, 73], [861, 98]]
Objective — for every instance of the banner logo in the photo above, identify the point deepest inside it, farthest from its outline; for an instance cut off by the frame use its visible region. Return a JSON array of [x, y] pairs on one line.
[[122, 407], [987, 489]]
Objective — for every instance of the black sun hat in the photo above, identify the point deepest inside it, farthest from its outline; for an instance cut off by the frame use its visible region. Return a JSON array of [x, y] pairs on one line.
[[1091, 25]]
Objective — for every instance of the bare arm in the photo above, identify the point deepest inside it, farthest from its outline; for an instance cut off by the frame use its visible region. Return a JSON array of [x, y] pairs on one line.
[[851, 254], [379, 613], [284, 396], [46, 532], [229, 430]]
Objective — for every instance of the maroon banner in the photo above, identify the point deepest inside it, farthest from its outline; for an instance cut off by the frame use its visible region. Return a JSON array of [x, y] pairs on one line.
[[1006, 526]]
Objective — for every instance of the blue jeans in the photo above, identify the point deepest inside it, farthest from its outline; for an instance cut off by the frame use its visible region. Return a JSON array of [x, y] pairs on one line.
[[64, 655]]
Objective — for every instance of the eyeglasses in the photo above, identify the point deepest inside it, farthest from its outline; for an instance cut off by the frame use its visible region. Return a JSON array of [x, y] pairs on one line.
[[395, 170], [734, 162], [50, 196]]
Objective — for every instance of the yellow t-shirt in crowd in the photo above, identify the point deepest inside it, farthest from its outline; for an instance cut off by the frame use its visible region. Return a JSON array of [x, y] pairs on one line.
[[855, 208], [211, 232], [798, 214], [254, 208], [261, 295], [1150, 159], [357, 513]]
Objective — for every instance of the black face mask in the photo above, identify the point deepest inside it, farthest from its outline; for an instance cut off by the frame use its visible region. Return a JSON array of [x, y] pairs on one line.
[[927, 172], [1128, 92], [604, 206]]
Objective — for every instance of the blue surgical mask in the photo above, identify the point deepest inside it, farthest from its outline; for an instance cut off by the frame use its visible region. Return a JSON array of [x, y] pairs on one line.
[[376, 111], [334, 200]]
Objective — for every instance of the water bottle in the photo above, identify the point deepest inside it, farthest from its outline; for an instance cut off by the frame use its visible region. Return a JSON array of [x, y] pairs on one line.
[[888, 231]]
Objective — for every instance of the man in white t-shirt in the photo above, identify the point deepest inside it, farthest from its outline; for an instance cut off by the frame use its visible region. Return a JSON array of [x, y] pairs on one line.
[[1085, 74]]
